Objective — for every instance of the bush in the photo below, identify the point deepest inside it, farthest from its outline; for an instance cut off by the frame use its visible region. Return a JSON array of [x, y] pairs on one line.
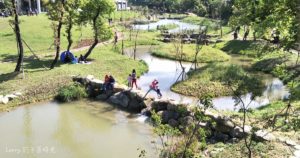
[[71, 93]]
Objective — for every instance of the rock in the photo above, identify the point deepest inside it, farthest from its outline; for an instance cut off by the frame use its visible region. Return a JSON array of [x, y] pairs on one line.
[[146, 111], [119, 88], [4, 100], [237, 132], [171, 107], [168, 115], [96, 84], [89, 78], [290, 142], [11, 96], [119, 99], [173, 123], [135, 105], [297, 147], [160, 105], [224, 125], [18, 94], [102, 97], [187, 120], [262, 135], [221, 137], [297, 153]]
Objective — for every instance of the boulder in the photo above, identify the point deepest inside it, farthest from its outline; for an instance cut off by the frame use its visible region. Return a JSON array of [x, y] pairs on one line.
[[102, 97], [290, 142], [96, 84], [119, 88], [18, 94], [224, 125], [187, 120], [4, 100], [89, 78], [146, 111], [135, 105], [262, 135], [11, 96], [218, 136], [160, 105], [297, 153], [173, 123], [237, 132], [168, 115], [119, 99], [172, 107]]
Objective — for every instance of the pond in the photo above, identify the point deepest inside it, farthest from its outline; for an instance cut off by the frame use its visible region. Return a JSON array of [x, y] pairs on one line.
[[167, 71], [181, 25], [78, 129]]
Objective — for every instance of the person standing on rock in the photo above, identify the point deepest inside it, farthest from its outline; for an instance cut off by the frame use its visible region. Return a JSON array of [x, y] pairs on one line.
[[106, 83], [111, 82], [129, 79], [133, 76]]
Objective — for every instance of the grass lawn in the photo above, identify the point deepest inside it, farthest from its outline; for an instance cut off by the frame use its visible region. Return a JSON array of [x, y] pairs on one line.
[[207, 54], [38, 34], [204, 81], [40, 83]]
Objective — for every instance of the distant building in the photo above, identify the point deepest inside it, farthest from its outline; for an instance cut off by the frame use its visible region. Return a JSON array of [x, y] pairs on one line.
[[26, 5], [121, 4]]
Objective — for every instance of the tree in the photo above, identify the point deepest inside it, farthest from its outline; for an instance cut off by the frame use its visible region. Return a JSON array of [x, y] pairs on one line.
[[72, 12], [17, 31], [264, 15], [56, 11], [242, 83], [94, 12]]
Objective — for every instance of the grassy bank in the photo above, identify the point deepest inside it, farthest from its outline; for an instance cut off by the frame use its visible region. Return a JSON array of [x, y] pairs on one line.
[[36, 31], [207, 54], [204, 81], [40, 83]]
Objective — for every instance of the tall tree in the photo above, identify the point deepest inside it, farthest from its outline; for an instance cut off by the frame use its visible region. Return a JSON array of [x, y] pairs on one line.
[[72, 13], [18, 36], [93, 12], [56, 11]]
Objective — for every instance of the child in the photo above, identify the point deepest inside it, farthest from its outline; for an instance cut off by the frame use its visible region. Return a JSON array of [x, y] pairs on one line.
[[129, 79], [133, 75]]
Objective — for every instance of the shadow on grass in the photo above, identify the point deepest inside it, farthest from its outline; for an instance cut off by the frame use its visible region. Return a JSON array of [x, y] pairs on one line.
[[8, 76], [39, 64], [8, 57], [235, 46]]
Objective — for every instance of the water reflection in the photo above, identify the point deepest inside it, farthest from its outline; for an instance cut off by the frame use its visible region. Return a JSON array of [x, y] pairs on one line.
[[181, 25]]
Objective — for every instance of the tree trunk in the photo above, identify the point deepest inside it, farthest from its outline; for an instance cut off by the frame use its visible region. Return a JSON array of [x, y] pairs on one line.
[[69, 34], [18, 38], [96, 35], [57, 43]]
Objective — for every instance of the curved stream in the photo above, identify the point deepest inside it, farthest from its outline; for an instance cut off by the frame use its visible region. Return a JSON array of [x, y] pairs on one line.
[[167, 71]]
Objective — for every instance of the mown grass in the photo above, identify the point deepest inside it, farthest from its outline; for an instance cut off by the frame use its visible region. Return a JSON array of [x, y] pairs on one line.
[[204, 81], [36, 31], [40, 83], [207, 54]]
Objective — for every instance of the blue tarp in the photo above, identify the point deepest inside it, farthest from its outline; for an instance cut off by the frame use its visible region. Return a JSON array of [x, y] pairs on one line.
[[63, 56]]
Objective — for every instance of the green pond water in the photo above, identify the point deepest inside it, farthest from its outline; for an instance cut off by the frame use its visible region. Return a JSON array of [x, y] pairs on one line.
[[76, 130]]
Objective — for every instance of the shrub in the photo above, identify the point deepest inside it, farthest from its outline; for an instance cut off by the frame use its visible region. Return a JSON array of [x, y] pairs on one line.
[[70, 93]]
